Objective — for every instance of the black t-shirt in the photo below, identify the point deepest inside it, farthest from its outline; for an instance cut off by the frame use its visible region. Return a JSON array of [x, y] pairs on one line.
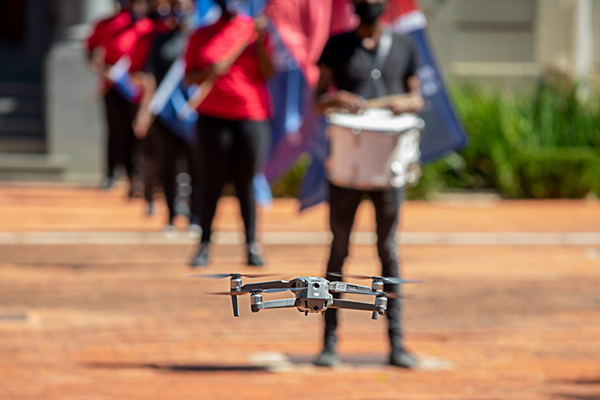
[[165, 49], [351, 63]]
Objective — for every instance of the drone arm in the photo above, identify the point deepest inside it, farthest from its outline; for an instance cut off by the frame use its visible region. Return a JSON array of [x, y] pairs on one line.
[[249, 287], [353, 305], [343, 287], [281, 303]]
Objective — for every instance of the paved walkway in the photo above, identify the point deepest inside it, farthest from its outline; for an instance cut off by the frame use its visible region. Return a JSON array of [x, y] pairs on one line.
[[95, 304]]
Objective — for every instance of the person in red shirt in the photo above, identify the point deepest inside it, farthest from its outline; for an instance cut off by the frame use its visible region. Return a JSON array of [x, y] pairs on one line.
[[110, 40], [230, 62]]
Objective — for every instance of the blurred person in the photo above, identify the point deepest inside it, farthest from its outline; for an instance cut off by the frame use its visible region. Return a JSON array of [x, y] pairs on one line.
[[167, 146], [108, 42], [231, 59], [346, 63]]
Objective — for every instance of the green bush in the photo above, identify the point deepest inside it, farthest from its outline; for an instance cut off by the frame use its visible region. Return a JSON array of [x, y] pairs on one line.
[[539, 144]]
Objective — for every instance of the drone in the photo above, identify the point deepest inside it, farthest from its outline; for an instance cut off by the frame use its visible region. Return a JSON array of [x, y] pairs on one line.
[[312, 294]]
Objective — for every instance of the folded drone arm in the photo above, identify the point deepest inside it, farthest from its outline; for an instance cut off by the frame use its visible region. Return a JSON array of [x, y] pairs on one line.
[[249, 287], [353, 305], [281, 303], [343, 287]]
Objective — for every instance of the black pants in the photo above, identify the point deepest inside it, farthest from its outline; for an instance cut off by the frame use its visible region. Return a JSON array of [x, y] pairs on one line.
[[343, 205], [121, 139], [172, 149], [151, 162], [229, 150]]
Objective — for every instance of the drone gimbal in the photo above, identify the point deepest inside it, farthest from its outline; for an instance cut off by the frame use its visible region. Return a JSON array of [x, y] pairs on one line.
[[312, 294]]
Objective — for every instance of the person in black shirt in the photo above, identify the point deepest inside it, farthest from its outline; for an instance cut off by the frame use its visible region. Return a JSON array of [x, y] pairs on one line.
[[166, 47], [347, 62]]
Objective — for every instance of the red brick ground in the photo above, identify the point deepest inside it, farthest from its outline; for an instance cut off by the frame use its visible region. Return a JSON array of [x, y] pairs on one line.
[[123, 322]]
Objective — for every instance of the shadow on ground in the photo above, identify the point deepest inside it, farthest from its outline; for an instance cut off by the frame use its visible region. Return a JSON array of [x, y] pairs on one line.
[[178, 367]]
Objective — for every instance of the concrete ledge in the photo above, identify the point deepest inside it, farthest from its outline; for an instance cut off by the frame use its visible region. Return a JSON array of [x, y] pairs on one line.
[[304, 238], [20, 162]]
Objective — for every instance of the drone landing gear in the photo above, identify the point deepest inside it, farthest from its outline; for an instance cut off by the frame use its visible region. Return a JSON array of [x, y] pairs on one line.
[[236, 308]]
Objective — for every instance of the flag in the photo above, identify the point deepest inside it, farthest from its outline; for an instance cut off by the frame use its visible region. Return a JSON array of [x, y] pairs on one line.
[[170, 103], [443, 133], [298, 32], [119, 75]]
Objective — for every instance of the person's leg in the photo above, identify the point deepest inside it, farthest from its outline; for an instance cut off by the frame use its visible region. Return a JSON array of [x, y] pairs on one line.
[[387, 205], [215, 141], [196, 175], [112, 109], [343, 203], [169, 148], [128, 143], [151, 151], [250, 148]]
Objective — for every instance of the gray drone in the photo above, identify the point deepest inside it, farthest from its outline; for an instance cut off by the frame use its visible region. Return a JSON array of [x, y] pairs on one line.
[[312, 294]]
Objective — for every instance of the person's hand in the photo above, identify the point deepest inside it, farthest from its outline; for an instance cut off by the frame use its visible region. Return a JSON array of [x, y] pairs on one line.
[[349, 101], [222, 67], [402, 105], [260, 26], [96, 61], [141, 124]]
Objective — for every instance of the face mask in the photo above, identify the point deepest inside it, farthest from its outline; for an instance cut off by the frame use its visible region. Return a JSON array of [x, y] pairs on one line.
[[231, 6], [369, 13], [180, 14], [161, 13], [124, 4]]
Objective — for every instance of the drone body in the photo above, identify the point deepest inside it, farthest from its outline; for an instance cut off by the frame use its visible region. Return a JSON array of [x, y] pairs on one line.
[[312, 294]]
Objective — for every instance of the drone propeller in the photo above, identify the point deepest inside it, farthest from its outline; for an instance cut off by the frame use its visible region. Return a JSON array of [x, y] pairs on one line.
[[395, 296], [384, 279], [238, 293], [233, 275]]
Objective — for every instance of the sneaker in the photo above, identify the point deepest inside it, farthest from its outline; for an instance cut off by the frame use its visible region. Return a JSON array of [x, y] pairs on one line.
[[194, 231], [255, 255], [403, 359], [327, 358], [201, 257], [107, 183], [170, 231]]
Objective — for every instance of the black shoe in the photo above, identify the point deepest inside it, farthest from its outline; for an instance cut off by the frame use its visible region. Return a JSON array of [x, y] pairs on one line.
[[201, 257], [255, 255], [403, 359], [327, 358], [150, 209]]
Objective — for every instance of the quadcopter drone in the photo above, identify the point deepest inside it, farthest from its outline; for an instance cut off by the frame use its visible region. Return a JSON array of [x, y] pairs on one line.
[[312, 294]]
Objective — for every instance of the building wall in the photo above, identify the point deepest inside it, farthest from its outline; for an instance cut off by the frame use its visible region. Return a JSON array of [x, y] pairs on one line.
[[507, 42], [76, 128]]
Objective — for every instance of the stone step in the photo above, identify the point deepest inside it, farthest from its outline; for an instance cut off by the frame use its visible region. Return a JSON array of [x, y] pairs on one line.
[[20, 89], [15, 144], [22, 166], [11, 107]]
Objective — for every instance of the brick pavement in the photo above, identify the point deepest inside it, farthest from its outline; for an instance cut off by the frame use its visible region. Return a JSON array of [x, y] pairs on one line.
[[123, 321]]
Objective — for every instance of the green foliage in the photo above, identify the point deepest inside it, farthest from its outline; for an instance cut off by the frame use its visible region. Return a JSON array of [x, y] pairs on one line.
[[540, 144], [289, 184]]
